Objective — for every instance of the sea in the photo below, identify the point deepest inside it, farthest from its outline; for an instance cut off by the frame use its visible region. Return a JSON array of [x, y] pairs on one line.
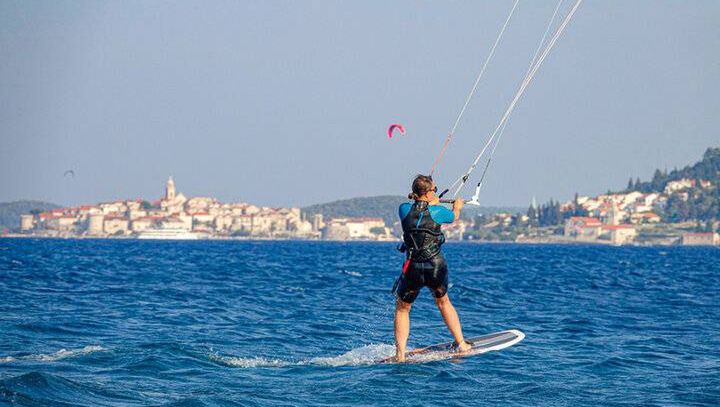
[[297, 323]]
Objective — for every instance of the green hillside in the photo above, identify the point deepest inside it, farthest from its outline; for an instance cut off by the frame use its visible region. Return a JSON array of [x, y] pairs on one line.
[[10, 211], [385, 206], [708, 168], [700, 204]]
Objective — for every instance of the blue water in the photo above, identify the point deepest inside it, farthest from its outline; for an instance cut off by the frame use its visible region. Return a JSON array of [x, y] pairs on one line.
[[101, 322]]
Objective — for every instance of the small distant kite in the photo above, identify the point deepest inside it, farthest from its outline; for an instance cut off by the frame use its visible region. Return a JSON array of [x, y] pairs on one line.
[[69, 172], [394, 127]]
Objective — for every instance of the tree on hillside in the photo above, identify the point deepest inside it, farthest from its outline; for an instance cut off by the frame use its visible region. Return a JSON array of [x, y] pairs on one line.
[[658, 181], [677, 209], [550, 214], [706, 169], [578, 209], [532, 214]]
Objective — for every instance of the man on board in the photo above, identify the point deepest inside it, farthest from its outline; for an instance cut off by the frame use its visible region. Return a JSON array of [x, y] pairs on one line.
[[425, 265]]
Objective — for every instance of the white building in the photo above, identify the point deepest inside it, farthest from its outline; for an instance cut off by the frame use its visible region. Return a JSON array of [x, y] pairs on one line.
[[27, 222], [116, 225], [176, 223], [95, 224], [700, 239], [582, 227], [679, 185], [355, 229], [618, 234], [144, 223]]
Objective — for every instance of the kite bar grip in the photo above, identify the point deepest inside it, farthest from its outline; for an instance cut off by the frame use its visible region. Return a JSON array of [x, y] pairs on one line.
[[447, 201]]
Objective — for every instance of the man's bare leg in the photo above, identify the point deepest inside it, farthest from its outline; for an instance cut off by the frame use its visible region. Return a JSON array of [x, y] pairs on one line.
[[452, 321], [402, 328]]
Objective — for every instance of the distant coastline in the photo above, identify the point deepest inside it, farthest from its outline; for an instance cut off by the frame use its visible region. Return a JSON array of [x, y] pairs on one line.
[[681, 207]]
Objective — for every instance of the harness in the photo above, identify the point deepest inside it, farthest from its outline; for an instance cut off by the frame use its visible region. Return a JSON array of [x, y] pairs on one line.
[[422, 237]]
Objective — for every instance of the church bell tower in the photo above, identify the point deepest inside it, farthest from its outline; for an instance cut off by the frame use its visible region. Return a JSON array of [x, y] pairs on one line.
[[170, 189]]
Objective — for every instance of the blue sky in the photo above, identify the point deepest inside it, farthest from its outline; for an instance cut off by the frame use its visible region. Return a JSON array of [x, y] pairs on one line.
[[287, 103]]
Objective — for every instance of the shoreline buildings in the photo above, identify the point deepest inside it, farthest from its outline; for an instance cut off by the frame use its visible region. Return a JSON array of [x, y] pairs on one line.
[[615, 218], [618, 219], [175, 216]]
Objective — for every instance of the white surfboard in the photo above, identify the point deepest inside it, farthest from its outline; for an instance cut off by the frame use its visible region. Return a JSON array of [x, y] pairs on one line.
[[480, 345]]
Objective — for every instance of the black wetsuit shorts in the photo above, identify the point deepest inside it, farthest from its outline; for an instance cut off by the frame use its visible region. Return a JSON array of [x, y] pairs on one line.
[[432, 274]]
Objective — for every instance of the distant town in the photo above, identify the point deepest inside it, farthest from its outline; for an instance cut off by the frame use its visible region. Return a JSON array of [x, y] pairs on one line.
[[175, 216], [617, 219]]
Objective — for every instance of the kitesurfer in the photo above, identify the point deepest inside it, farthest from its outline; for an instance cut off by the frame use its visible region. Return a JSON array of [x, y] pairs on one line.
[[425, 265]]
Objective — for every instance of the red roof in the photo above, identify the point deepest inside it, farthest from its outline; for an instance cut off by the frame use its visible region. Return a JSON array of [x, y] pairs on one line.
[[617, 227]]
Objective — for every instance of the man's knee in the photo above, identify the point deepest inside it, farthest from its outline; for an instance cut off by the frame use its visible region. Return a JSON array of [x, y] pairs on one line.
[[443, 301], [403, 306]]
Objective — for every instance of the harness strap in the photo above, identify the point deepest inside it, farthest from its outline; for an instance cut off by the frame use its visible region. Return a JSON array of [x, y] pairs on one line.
[[406, 265]]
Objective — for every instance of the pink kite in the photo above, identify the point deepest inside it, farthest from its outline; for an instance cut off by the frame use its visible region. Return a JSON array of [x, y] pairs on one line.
[[392, 128]]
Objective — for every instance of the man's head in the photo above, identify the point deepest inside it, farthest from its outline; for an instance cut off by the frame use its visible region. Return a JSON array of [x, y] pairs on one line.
[[423, 188]]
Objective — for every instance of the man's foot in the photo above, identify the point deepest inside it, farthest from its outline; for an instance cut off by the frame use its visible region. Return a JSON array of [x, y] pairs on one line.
[[462, 347], [400, 357]]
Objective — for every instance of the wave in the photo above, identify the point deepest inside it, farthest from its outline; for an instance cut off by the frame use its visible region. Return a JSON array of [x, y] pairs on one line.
[[41, 388], [352, 273], [246, 363], [378, 353], [52, 357], [364, 355]]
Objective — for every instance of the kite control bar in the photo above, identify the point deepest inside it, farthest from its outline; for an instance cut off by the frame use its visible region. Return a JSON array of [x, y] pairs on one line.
[[475, 200], [452, 201]]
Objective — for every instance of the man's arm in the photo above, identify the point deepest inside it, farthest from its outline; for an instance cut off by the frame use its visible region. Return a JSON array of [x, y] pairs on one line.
[[441, 214], [457, 206]]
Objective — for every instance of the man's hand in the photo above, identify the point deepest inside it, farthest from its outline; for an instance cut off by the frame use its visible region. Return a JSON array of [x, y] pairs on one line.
[[457, 205]]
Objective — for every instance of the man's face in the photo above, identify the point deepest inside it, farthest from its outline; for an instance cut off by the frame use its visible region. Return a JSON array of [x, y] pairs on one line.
[[431, 193]]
